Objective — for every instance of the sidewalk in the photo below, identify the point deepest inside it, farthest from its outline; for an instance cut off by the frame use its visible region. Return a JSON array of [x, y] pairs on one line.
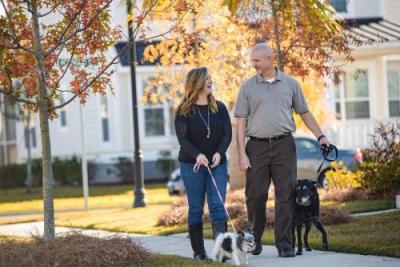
[[179, 245]]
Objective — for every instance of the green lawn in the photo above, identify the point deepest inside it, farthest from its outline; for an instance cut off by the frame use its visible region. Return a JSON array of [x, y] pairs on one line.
[[172, 261], [70, 198], [358, 206], [110, 209], [369, 235]]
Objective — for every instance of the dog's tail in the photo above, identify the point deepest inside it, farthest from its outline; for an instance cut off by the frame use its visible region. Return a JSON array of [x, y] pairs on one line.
[[217, 246]]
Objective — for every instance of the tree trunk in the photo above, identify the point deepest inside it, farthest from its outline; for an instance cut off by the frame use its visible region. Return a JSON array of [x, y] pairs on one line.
[[276, 36], [48, 181]]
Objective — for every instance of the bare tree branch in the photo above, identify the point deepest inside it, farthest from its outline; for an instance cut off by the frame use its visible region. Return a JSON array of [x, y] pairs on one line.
[[17, 98], [40, 15], [64, 71]]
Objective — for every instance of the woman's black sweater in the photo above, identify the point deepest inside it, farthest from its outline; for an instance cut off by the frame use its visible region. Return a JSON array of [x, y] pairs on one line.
[[192, 133]]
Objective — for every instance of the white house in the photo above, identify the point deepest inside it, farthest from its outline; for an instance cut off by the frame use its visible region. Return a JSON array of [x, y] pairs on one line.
[[108, 124], [370, 89]]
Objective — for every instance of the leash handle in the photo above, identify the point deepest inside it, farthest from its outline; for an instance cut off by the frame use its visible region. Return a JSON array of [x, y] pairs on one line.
[[326, 150], [196, 168]]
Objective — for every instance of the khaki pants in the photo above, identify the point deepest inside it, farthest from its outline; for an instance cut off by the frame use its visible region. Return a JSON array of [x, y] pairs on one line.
[[276, 161]]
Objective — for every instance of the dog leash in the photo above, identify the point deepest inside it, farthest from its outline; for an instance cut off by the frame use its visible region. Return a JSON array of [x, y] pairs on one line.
[[326, 150], [196, 168]]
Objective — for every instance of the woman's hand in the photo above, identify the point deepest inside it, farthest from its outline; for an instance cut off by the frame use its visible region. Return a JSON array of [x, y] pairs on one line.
[[202, 160], [216, 160]]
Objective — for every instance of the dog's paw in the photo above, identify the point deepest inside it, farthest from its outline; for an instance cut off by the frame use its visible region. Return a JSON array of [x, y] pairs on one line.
[[308, 249], [299, 252], [225, 258]]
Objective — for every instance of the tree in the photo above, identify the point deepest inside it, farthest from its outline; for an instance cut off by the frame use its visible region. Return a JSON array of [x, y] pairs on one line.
[[305, 35], [33, 36]]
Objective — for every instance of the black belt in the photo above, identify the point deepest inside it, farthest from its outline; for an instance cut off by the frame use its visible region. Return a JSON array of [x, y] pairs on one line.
[[269, 139]]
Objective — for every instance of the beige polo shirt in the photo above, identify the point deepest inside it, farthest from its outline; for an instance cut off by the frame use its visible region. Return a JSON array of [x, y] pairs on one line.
[[269, 107]]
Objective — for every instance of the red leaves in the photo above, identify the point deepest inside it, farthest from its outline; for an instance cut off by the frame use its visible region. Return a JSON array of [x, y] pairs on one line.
[[31, 85], [73, 27], [180, 5]]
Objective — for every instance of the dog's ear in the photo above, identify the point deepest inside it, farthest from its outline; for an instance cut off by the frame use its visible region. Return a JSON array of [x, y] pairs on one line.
[[240, 233]]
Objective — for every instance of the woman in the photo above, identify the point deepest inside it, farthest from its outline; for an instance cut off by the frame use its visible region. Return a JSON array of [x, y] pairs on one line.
[[204, 132]]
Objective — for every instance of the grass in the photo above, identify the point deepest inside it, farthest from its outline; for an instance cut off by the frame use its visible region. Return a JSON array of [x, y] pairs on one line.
[[110, 209], [376, 235], [70, 198], [172, 261], [357, 206], [366, 235]]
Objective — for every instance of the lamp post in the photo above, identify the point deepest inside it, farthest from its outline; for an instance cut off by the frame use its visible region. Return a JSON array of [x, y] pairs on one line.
[[139, 193]]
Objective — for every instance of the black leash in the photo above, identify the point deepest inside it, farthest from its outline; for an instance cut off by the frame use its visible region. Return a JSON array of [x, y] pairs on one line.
[[326, 151]]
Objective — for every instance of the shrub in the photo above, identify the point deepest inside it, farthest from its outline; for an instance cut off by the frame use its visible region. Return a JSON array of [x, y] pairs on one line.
[[341, 178], [344, 194], [66, 172], [381, 167], [235, 205]]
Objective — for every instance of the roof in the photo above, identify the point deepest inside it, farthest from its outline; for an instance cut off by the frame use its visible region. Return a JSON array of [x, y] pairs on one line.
[[140, 46], [374, 29]]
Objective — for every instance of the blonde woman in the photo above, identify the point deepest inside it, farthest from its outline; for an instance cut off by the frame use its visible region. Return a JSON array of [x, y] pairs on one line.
[[204, 132]]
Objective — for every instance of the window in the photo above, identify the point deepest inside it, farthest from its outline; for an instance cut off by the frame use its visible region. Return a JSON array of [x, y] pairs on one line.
[[393, 78], [337, 102], [104, 119], [63, 117], [154, 121], [172, 114], [352, 96], [339, 5], [31, 132], [33, 137], [158, 117], [63, 112]]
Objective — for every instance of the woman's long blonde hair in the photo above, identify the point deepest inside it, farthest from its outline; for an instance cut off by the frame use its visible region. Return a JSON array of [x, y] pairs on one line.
[[194, 85]]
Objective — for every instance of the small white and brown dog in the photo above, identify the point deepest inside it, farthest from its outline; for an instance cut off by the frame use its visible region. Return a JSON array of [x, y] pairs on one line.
[[235, 246]]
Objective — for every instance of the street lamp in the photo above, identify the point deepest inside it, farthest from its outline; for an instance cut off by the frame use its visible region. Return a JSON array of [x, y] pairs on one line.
[[139, 198]]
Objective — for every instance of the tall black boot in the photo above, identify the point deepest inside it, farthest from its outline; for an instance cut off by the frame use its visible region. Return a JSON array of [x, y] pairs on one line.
[[218, 228], [197, 241]]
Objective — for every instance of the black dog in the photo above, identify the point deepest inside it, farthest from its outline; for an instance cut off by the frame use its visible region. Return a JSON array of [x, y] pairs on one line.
[[307, 213]]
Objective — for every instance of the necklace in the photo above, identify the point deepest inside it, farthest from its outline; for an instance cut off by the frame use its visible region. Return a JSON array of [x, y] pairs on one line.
[[207, 124]]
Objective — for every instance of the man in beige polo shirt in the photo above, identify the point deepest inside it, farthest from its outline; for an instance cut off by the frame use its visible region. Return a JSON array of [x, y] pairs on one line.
[[264, 111]]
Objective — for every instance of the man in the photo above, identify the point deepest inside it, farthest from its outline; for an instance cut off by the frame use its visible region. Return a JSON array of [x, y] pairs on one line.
[[264, 111]]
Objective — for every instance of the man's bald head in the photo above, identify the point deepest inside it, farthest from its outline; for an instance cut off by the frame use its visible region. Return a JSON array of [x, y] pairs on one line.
[[262, 57], [263, 48]]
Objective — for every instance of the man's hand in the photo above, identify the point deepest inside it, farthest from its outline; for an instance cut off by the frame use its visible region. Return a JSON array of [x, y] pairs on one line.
[[244, 162], [202, 160], [324, 141], [216, 160]]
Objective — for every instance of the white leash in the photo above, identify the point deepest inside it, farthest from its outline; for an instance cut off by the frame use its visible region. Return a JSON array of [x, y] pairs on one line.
[[196, 168]]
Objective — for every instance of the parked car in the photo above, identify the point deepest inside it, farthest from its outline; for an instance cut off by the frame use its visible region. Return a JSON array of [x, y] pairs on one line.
[[175, 183], [309, 157]]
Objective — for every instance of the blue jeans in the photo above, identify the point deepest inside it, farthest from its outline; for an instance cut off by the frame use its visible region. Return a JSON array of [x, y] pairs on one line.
[[198, 184]]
